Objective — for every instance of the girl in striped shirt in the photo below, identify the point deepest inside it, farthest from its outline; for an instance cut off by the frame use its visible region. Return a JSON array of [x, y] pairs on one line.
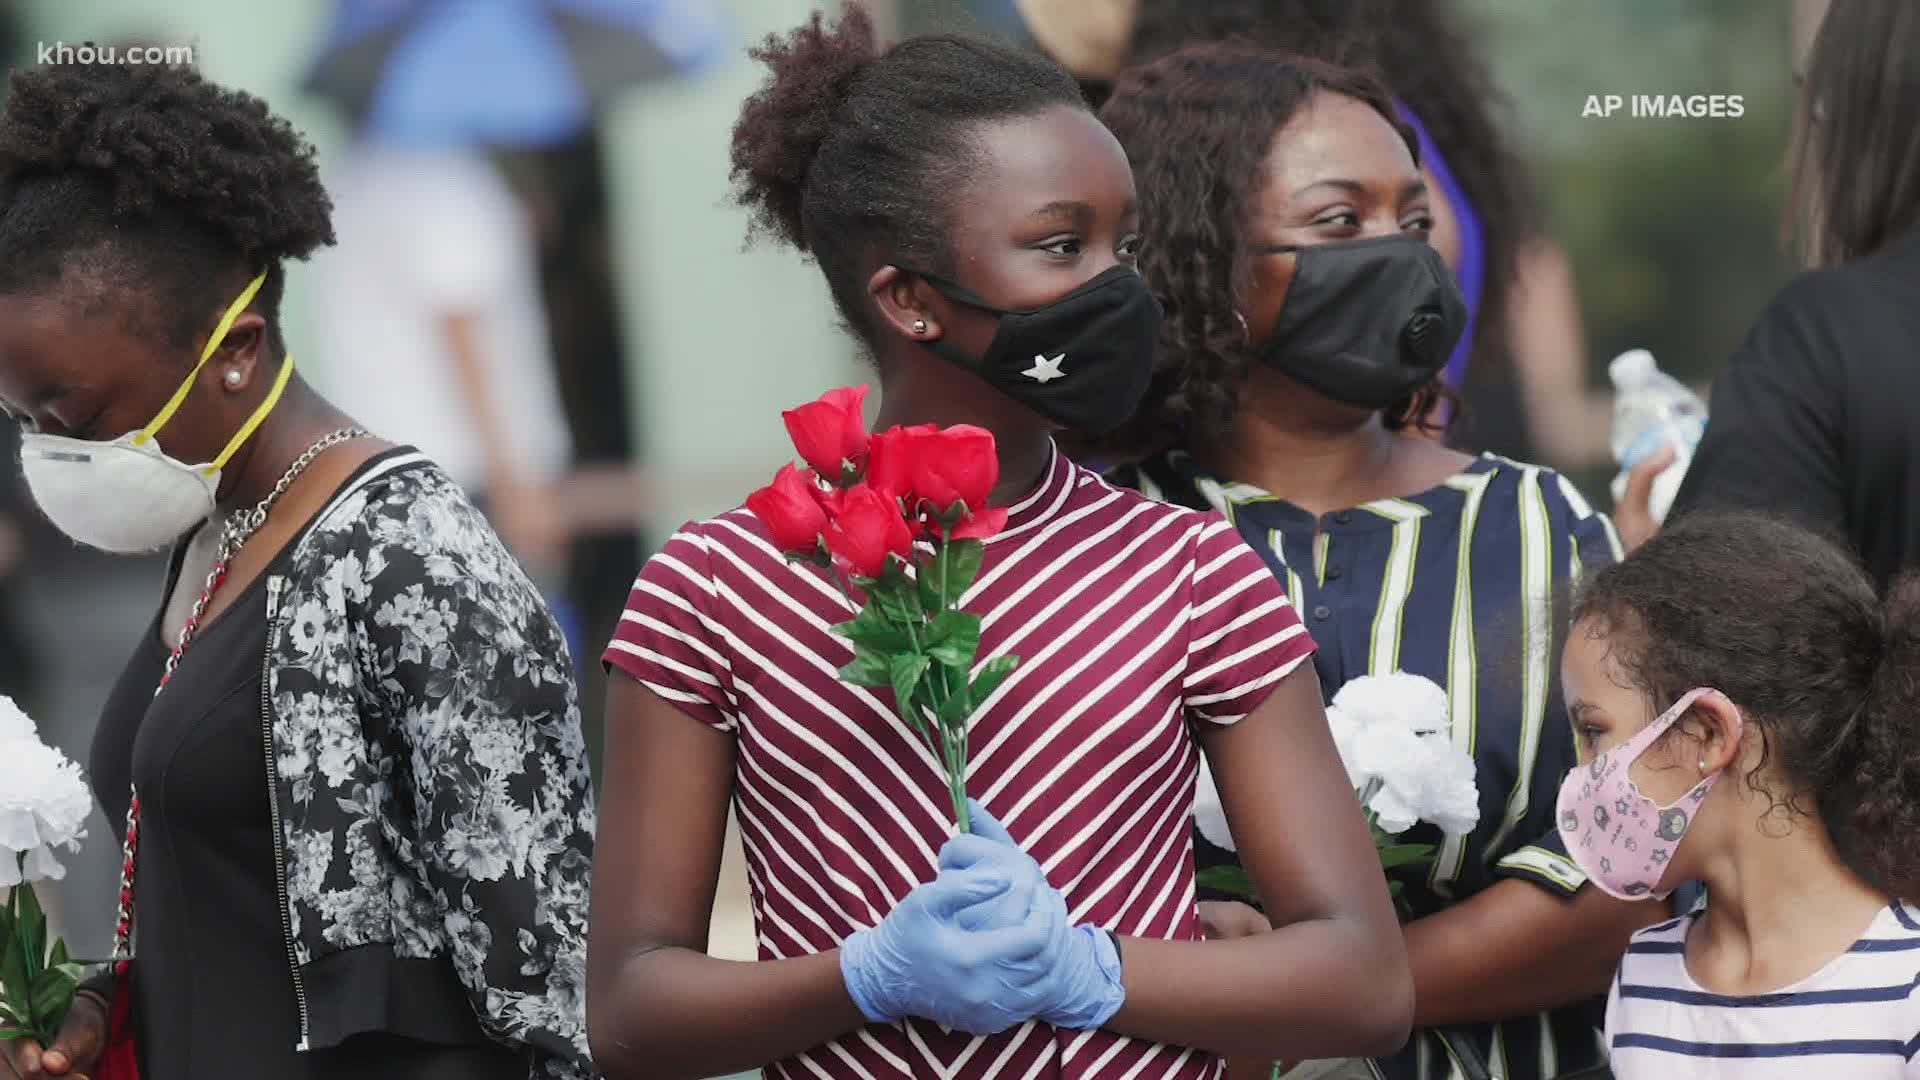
[[1747, 708], [977, 229]]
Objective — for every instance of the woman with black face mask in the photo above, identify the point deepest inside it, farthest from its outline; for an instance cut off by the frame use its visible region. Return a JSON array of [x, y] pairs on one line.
[[1307, 324], [977, 229]]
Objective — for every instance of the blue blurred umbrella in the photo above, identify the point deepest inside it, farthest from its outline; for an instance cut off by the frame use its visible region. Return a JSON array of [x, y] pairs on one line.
[[502, 72]]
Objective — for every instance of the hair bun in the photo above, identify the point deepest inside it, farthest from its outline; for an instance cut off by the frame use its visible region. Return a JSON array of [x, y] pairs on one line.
[[783, 124], [159, 137]]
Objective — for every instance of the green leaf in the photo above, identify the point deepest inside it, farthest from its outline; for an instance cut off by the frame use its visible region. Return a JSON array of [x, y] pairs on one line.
[[31, 925], [871, 629], [52, 993], [868, 668], [16, 984], [992, 675], [1394, 855], [1228, 879], [907, 670], [897, 597], [59, 955], [963, 566], [9, 1034], [1395, 888], [955, 710], [955, 638], [928, 583]]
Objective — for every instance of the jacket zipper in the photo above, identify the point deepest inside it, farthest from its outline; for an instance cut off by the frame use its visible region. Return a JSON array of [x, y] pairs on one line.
[[273, 806]]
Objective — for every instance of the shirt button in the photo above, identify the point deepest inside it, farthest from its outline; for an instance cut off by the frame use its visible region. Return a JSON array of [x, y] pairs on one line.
[[1343, 517], [1322, 612], [1334, 572]]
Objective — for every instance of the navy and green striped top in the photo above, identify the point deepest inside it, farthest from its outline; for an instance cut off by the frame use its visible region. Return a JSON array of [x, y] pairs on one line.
[[1467, 584]]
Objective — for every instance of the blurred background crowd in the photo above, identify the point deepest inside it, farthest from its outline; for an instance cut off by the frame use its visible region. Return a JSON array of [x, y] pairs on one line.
[[549, 291]]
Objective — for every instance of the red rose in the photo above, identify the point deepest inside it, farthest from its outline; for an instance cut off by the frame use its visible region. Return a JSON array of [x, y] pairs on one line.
[[980, 525], [831, 431], [890, 458], [955, 464], [791, 509], [867, 530]]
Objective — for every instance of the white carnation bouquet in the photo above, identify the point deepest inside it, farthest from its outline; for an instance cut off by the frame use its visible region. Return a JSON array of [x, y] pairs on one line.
[[1394, 739], [43, 808]]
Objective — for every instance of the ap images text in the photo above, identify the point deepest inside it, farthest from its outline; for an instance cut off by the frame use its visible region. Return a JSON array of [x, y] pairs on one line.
[[1666, 106]]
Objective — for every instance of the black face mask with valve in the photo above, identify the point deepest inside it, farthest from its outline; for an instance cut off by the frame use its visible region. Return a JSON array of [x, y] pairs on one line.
[[1366, 322], [1083, 361]]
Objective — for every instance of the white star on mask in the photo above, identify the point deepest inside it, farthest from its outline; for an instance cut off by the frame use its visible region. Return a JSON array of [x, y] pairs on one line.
[[1045, 370]]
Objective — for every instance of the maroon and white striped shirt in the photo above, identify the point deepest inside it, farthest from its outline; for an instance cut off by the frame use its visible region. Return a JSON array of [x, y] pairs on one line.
[[1131, 619]]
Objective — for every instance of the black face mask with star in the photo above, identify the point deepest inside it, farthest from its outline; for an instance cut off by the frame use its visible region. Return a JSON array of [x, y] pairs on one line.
[[1083, 361]]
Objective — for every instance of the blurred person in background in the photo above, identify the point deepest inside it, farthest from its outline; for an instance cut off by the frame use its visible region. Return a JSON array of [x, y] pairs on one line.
[[1520, 369], [346, 748], [1813, 417], [1286, 230], [565, 190], [434, 331], [939, 183]]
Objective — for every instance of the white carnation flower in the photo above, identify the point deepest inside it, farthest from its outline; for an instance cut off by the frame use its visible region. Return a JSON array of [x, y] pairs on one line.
[[1394, 738], [1399, 698], [1454, 798], [44, 804], [15, 724], [1208, 814]]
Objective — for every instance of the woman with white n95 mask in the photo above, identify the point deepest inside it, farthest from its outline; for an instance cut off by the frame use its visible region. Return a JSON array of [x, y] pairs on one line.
[[346, 751]]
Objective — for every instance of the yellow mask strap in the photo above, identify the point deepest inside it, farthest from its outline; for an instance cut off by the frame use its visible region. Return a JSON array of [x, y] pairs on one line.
[[213, 342], [253, 422]]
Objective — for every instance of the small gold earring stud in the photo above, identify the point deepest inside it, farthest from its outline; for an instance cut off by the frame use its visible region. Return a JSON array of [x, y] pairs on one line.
[[919, 326]]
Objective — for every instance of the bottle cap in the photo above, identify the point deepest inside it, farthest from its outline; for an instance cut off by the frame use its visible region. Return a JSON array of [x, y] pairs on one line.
[[1630, 365]]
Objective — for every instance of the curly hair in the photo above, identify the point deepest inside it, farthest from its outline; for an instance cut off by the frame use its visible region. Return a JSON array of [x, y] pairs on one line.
[[847, 147], [1787, 625], [149, 177], [1197, 126], [1426, 54]]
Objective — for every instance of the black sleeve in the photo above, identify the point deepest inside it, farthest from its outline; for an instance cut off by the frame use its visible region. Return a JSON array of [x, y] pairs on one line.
[[1777, 423]]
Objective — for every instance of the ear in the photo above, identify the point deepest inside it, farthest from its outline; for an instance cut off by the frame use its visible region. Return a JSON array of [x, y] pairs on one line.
[[1722, 730], [902, 301], [241, 357]]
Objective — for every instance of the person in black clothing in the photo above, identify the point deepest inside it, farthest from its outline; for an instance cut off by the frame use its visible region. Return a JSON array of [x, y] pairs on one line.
[[1814, 416], [348, 742]]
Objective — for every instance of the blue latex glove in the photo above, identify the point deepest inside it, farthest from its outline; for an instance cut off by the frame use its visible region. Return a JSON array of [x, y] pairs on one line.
[[1082, 989], [920, 962]]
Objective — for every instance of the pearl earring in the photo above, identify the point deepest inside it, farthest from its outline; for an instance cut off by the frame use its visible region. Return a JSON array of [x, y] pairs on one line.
[[233, 379], [1703, 764], [919, 326]]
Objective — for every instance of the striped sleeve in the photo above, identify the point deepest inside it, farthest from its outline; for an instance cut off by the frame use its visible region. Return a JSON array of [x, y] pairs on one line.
[[668, 639], [1243, 634]]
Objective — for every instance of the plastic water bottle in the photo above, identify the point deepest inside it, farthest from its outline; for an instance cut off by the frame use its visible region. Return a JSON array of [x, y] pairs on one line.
[[1652, 409]]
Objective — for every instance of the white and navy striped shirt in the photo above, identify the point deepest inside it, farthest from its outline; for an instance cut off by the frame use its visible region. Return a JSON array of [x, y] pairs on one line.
[[1858, 1017]]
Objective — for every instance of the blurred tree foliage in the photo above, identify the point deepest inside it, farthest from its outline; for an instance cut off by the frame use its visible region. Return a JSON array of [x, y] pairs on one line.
[[1673, 224]]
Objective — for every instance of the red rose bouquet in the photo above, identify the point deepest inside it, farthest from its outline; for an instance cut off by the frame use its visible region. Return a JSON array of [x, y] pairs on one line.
[[897, 518]]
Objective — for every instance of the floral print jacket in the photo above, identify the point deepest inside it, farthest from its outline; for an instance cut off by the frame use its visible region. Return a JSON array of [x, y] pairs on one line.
[[432, 789]]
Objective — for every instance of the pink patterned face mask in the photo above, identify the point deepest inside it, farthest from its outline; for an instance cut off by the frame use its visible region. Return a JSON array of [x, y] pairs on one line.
[[1621, 838]]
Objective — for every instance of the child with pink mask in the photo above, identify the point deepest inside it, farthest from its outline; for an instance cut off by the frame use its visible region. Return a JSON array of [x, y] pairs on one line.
[[1749, 712]]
